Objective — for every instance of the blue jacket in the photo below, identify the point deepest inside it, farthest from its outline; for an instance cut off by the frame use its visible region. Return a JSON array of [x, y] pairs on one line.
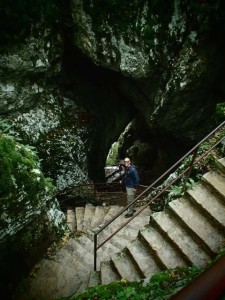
[[131, 177]]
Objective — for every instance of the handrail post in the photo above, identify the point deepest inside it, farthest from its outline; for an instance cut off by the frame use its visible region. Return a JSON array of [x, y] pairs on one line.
[[95, 252]]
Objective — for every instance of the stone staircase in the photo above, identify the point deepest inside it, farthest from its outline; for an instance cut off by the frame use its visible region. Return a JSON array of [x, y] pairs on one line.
[[189, 232]]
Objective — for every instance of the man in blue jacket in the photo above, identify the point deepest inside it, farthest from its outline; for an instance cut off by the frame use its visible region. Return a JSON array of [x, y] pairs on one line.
[[131, 181]]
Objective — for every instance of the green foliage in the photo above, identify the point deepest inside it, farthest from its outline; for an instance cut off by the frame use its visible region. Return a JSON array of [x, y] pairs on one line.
[[112, 158], [20, 173], [220, 111], [4, 127], [175, 191], [161, 285]]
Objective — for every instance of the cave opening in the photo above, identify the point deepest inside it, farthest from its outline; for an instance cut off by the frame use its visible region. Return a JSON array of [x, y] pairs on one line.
[[101, 92]]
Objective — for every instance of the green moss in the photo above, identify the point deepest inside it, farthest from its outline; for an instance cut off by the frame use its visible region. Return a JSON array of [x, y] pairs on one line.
[[30, 219], [220, 111], [23, 187], [112, 158], [19, 170]]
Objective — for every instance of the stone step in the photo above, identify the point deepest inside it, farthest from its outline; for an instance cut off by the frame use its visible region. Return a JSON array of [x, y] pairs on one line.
[[175, 239], [143, 258], [86, 258], [134, 225], [94, 279], [119, 241], [130, 231], [210, 203], [112, 212], [108, 249], [125, 266], [221, 164], [52, 281], [190, 250], [216, 181], [79, 218], [71, 220], [125, 235], [108, 273], [100, 213], [84, 251], [89, 212], [167, 256], [197, 223], [68, 255]]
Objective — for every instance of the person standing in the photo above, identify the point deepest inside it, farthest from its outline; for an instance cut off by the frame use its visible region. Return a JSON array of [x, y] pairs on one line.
[[131, 181]]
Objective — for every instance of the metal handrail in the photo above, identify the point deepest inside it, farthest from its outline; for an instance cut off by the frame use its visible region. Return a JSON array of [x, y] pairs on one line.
[[192, 151]]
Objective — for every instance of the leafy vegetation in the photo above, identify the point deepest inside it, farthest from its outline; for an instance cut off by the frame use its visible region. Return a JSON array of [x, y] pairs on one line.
[[113, 154], [26, 197], [220, 111], [162, 284], [19, 170], [207, 163]]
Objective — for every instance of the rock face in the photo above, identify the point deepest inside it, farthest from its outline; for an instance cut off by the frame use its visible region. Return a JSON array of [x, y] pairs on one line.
[[56, 127], [157, 60], [38, 111], [168, 48], [30, 215], [74, 74]]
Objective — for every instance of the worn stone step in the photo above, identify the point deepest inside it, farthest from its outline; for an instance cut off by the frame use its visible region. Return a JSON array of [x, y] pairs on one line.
[[221, 164], [123, 237], [197, 223], [210, 203], [68, 255], [100, 213], [108, 273], [143, 258], [112, 212], [132, 228], [164, 252], [94, 279], [84, 251], [89, 212], [216, 181], [79, 217], [120, 241], [108, 249], [85, 247], [179, 237], [71, 220], [52, 280], [125, 267], [111, 227], [130, 231]]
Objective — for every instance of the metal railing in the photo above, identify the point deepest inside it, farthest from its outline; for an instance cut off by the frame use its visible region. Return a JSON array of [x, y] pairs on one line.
[[187, 171], [96, 193]]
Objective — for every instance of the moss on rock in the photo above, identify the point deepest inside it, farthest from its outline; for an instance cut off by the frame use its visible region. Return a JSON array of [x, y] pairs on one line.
[[30, 217]]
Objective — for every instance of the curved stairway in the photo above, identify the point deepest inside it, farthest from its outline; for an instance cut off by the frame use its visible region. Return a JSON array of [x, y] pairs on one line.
[[190, 232]]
